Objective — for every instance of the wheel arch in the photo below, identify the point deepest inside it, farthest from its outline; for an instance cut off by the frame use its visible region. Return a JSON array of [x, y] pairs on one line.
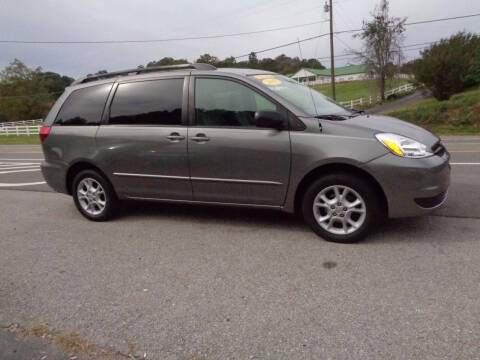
[[79, 166], [332, 168]]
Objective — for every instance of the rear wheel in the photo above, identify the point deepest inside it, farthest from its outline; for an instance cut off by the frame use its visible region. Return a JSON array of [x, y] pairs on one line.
[[93, 195], [341, 207]]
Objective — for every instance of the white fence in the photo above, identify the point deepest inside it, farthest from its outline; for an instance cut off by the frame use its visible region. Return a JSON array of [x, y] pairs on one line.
[[27, 127], [374, 99], [20, 130], [22, 122]]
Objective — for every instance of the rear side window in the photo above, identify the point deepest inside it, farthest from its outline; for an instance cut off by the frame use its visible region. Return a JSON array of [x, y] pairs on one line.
[[157, 102], [84, 106]]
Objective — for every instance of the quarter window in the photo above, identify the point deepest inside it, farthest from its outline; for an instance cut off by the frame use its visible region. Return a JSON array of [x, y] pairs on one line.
[[157, 102], [84, 106], [227, 103]]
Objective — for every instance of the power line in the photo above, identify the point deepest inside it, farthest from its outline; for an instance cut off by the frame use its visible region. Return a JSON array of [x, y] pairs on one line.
[[443, 19], [283, 45], [356, 30], [216, 36], [161, 40], [354, 55]]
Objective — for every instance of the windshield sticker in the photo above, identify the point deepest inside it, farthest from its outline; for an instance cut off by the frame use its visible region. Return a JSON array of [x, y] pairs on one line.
[[263, 76], [271, 81]]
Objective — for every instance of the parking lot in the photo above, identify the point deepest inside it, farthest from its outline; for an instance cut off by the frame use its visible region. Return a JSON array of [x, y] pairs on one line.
[[194, 282]]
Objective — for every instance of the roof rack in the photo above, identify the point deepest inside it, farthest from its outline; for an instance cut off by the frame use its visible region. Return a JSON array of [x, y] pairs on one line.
[[195, 66]]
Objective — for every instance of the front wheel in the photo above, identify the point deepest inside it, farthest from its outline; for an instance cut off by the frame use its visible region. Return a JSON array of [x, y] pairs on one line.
[[93, 195], [341, 207]]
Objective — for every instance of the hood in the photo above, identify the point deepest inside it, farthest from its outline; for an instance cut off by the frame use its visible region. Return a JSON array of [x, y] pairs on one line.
[[373, 124]]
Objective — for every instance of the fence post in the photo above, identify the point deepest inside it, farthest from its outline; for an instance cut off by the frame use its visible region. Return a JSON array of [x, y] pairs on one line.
[[16, 128], [28, 130], [361, 101], [370, 99]]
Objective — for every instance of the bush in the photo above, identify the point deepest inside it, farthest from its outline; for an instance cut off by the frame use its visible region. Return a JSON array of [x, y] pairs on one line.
[[473, 76], [450, 66], [460, 114]]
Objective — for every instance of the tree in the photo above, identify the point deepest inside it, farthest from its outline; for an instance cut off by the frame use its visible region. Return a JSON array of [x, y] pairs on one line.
[[23, 93], [448, 66], [55, 83], [383, 37], [473, 76], [166, 61], [408, 67], [208, 59], [252, 59]]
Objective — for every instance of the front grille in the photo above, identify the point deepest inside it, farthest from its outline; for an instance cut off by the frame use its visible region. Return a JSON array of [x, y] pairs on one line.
[[438, 149], [431, 202]]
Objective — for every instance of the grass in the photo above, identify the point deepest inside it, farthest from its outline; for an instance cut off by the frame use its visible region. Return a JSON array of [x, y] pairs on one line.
[[352, 90], [19, 140], [460, 115]]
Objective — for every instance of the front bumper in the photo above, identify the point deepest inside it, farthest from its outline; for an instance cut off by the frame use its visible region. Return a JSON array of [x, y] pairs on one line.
[[412, 186]]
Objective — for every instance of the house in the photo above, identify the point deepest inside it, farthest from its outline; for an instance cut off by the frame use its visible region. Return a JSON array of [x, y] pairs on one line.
[[345, 73]]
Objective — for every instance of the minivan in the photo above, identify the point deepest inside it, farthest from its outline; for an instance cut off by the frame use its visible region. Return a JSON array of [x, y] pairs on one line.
[[193, 133]]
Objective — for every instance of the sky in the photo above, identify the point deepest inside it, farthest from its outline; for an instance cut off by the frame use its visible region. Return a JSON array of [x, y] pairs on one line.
[[87, 20]]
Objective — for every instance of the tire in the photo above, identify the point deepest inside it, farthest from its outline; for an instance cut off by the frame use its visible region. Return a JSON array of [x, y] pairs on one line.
[[338, 220], [103, 202]]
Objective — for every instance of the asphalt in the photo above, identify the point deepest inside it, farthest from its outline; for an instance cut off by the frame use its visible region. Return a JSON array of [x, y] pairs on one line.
[[193, 282], [403, 101], [15, 347]]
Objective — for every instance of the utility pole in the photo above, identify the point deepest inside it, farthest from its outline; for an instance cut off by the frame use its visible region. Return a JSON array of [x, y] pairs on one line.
[[332, 61]]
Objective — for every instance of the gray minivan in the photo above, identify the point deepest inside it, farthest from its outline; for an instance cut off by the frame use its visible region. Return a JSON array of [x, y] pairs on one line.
[[241, 137]]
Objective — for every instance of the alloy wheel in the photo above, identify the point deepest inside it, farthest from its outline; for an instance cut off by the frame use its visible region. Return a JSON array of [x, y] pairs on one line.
[[339, 209], [91, 196]]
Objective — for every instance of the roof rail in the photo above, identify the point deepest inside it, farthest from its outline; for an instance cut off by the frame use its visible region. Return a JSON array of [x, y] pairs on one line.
[[195, 66]]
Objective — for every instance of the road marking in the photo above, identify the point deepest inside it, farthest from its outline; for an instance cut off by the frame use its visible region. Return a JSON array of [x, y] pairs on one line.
[[22, 184], [461, 143], [20, 167], [18, 171], [6, 164], [37, 159], [22, 152], [464, 163], [464, 151]]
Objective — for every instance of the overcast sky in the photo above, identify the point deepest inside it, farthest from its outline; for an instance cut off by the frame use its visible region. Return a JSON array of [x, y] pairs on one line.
[[70, 20]]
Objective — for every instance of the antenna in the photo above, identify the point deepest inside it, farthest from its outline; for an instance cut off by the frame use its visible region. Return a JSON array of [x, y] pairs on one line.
[[332, 57], [309, 88], [300, 49]]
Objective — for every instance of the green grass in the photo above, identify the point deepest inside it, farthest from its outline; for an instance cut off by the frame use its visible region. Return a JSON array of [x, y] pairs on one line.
[[357, 89], [19, 140], [458, 115]]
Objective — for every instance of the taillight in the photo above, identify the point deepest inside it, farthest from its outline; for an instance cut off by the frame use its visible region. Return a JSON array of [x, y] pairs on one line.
[[44, 131]]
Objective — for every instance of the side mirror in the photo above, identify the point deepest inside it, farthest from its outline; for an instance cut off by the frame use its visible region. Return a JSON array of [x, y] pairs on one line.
[[270, 120]]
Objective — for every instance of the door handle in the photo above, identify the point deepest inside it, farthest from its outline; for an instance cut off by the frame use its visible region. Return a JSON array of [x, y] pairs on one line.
[[175, 136], [200, 138]]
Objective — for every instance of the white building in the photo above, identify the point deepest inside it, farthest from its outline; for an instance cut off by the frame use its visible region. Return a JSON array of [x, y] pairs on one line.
[[346, 73]]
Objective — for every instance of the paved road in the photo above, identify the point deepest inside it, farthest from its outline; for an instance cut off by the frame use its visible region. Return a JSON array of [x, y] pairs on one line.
[[406, 100], [16, 347], [213, 283]]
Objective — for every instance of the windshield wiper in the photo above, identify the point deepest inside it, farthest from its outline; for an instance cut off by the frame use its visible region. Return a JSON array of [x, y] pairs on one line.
[[356, 113], [332, 117]]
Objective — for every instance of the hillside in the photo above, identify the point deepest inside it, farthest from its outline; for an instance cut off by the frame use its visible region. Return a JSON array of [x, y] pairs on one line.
[[357, 89], [458, 115]]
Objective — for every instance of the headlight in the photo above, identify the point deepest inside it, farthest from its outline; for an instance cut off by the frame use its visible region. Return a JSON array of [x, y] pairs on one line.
[[403, 146]]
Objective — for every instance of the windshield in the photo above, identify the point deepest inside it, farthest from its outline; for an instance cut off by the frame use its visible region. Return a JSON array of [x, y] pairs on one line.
[[309, 100]]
